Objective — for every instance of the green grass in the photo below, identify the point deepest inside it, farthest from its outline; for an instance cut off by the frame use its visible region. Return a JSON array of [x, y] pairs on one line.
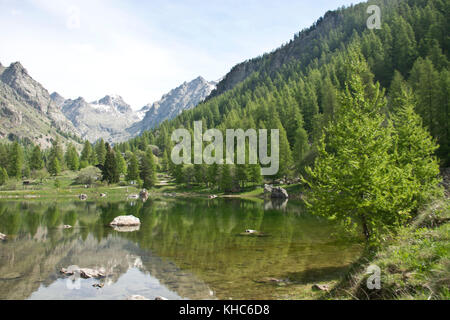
[[15, 190], [415, 264]]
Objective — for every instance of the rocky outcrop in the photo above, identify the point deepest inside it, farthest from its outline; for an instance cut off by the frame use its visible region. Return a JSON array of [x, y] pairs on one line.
[[28, 111], [184, 97], [276, 192], [125, 221], [107, 118], [279, 193]]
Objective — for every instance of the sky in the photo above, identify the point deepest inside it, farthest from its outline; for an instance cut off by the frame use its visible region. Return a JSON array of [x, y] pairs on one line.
[[140, 49]]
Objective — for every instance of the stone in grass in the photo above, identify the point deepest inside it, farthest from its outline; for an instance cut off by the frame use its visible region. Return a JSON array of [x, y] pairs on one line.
[[125, 221], [321, 287], [3, 237]]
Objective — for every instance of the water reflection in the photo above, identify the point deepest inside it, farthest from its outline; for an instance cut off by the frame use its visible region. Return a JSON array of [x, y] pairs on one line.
[[184, 249]]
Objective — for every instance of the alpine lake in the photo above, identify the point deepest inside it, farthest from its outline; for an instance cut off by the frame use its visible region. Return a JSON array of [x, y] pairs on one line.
[[185, 248]]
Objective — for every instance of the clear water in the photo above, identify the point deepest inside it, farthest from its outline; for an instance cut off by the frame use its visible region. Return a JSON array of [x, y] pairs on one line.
[[184, 249]]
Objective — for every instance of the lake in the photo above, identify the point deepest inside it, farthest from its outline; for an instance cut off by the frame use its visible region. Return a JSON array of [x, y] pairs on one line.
[[184, 249]]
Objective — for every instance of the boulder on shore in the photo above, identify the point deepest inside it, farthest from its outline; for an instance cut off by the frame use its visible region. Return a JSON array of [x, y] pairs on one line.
[[83, 197], [125, 221], [267, 189], [2, 237], [279, 193]]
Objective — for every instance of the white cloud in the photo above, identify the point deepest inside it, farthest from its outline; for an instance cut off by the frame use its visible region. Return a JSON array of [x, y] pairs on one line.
[[73, 18]]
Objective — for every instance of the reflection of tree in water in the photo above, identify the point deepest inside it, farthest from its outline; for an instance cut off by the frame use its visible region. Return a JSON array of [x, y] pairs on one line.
[[182, 237]]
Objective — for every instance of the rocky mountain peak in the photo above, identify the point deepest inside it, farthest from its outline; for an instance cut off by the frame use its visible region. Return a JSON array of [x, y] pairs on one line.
[[116, 102], [57, 99], [184, 97]]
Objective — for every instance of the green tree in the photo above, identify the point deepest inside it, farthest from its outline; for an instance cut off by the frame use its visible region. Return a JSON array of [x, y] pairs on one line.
[[3, 176], [415, 149], [121, 163], [54, 167], [133, 169], [355, 177], [15, 159], [100, 151], [226, 179], [36, 161], [148, 169], [110, 172], [71, 157], [87, 154]]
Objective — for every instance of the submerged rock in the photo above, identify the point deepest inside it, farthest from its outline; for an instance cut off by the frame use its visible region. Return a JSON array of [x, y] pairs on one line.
[[2, 237], [144, 194], [253, 233], [83, 197], [125, 221]]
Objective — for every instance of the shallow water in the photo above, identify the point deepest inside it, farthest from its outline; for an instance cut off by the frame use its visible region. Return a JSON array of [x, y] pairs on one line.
[[184, 249]]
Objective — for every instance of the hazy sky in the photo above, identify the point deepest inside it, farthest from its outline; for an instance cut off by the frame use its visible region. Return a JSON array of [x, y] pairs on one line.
[[142, 49]]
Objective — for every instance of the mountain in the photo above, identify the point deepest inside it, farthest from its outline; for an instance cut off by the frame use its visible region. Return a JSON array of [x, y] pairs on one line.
[[297, 87], [28, 112], [184, 97], [106, 118]]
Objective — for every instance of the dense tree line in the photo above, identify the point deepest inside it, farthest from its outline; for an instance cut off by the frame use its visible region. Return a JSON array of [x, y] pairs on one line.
[[300, 98], [18, 161]]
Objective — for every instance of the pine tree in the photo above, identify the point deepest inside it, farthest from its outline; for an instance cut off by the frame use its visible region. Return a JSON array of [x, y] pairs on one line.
[[133, 169], [148, 169], [355, 177], [3, 176], [415, 150], [36, 161], [71, 158], [15, 159], [54, 167], [100, 151], [110, 172], [87, 154], [121, 163], [226, 179], [57, 151]]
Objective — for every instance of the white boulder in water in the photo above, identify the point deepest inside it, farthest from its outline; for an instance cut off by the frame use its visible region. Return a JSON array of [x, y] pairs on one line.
[[125, 221]]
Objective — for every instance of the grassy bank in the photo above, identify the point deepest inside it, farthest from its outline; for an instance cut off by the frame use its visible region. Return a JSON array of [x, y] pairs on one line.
[[415, 264]]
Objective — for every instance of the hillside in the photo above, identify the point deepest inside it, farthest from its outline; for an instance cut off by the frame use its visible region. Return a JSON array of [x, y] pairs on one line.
[[27, 111], [301, 81]]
